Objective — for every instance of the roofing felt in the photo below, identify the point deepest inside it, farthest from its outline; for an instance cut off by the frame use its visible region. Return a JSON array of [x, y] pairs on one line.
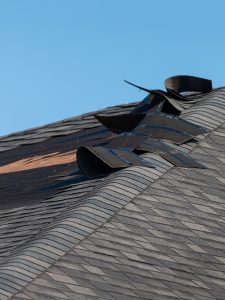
[[138, 233]]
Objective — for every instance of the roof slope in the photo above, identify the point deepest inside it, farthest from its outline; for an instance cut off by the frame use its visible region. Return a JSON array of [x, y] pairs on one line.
[[139, 233]]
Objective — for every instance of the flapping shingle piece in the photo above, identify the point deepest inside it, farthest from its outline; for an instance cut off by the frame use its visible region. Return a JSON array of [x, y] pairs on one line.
[[185, 83], [96, 161], [120, 122], [151, 103], [139, 87], [171, 105], [164, 133], [156, 101], [173, 122], [177, 157], [161, 101], [162, 126]]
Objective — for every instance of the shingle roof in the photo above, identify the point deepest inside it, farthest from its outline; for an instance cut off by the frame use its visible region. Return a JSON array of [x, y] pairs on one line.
[[139, 233]]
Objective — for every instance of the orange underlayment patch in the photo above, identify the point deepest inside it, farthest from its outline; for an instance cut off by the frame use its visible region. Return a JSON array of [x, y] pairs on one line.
[[39, 162]]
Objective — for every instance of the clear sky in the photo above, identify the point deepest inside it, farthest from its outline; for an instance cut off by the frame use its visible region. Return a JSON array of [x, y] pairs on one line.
[[63, 58]]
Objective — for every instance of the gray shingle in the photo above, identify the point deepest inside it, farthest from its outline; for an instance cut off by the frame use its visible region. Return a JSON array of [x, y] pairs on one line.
[[139, 233]]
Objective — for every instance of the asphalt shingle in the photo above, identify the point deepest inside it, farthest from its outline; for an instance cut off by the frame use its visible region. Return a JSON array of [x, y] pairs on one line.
[[140, 233]]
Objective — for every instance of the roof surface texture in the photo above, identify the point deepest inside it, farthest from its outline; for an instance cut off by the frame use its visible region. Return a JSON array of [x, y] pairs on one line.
[[138, 233]]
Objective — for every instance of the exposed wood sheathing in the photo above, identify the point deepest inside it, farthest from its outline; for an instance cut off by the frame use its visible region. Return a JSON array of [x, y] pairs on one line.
[[40, 161]]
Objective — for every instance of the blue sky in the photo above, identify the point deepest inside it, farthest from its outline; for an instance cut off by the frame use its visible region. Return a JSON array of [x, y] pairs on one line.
[[63, 58]]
